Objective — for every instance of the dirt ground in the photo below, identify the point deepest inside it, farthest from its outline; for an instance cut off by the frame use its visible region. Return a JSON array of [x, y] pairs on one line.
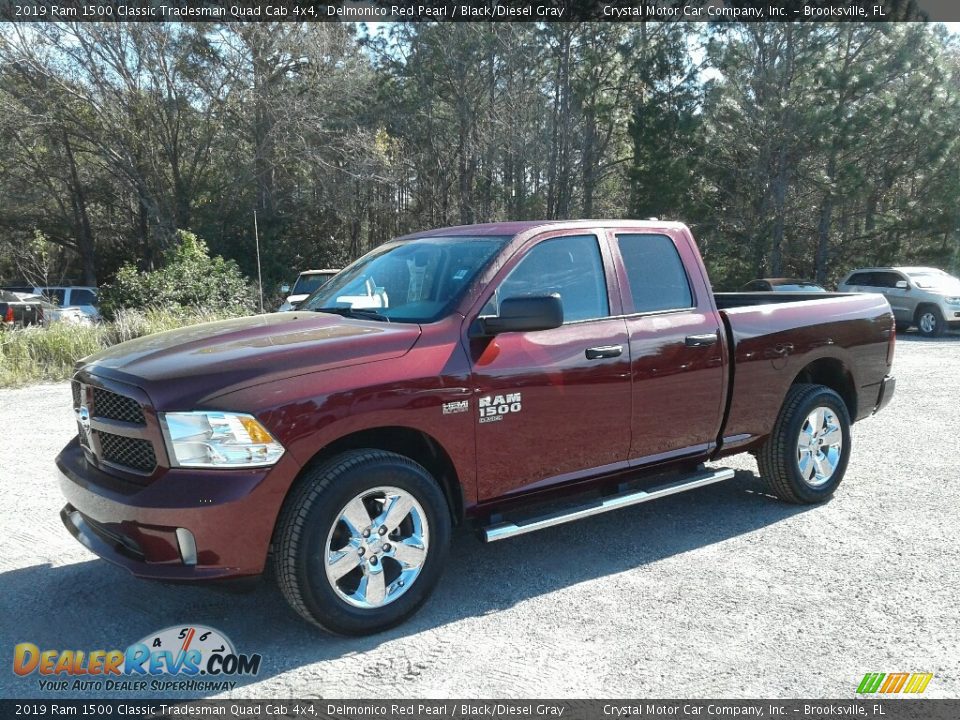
[[720, 592]]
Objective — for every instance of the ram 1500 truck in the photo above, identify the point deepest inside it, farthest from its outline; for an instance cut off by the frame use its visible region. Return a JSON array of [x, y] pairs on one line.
[[513, 376]]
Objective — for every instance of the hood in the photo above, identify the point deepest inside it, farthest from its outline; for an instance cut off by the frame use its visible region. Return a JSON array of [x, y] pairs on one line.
[[944, 286], [201, 361]]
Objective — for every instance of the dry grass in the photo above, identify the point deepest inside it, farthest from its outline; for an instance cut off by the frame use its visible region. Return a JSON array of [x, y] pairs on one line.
[[32, 355]]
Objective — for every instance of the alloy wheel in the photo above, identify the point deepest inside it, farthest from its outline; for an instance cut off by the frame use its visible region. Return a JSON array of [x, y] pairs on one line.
[[819, 446], [377, 547]]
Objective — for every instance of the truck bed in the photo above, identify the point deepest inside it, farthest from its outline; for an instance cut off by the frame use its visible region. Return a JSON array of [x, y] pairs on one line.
[[774, 336], [730, 300]]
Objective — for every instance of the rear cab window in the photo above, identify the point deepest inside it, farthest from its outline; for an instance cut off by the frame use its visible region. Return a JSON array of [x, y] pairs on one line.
[[82, 296], [655, 272]]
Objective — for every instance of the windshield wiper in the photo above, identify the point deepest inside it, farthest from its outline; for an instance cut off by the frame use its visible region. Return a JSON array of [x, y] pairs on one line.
[[358, 313]]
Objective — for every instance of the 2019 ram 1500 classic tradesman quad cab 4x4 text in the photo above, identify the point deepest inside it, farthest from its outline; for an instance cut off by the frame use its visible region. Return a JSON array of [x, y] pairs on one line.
[[468, 373]]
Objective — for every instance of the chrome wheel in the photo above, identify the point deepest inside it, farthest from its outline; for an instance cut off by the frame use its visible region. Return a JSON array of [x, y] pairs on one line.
[[819, 446], [377, 547], [928, 322]]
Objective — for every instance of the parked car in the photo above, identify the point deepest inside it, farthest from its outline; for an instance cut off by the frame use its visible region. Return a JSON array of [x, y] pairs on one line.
[[923, 296], [54, 314], [16, 312], [782, 285], [307, 282], [587, 362], [82, 297]]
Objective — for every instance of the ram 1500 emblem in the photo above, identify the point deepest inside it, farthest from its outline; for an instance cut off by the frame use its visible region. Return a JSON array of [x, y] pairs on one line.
[[493, 407]]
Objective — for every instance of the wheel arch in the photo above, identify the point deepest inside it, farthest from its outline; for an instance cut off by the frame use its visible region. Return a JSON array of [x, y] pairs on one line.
[[832, 373], [923, 306], [414, 444]]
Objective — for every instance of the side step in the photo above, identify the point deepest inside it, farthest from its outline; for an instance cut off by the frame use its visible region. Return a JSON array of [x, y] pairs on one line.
[[504, 530]]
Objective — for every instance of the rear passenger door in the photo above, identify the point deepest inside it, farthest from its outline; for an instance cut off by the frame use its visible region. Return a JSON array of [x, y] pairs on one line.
[[677, 357], [552, 406]]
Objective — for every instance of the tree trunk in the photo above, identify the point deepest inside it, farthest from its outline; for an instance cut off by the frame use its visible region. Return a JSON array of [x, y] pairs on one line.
[[823, 227], [85, 242]]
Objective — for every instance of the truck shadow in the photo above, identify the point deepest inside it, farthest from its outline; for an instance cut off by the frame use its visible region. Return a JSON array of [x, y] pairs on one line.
[[93, 605]]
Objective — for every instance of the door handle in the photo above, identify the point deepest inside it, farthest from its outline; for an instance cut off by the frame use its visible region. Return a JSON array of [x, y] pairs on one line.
[[701, 340], [604, 351]]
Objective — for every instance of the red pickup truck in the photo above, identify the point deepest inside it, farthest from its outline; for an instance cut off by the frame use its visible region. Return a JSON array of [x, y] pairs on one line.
[[474, 374]]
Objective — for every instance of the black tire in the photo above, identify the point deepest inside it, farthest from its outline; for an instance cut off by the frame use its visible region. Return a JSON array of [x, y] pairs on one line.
[[778, 458], [937, 324], [309, 516]]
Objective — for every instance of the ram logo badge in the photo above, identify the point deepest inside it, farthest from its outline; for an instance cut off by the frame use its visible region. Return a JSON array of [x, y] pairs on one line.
[[494, 407]]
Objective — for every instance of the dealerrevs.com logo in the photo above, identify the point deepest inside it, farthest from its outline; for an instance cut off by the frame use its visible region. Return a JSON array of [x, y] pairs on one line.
[[178, 658]]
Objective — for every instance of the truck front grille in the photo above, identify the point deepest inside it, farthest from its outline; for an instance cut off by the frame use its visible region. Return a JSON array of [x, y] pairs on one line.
[[112, 406], [134, 453], [118, 430]]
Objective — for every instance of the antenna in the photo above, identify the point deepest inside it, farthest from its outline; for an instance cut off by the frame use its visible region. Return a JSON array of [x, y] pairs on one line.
[[256, 235]]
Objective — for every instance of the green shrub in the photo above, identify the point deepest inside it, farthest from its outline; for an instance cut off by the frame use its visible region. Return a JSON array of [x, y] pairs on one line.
[[36, 354], [189, 279]]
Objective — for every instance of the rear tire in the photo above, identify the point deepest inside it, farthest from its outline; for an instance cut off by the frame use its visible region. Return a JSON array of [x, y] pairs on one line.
[[806, 455], [361, 542], [930, 321]]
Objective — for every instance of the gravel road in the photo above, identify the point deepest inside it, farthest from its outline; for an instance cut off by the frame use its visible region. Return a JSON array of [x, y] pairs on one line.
[[720, 592]]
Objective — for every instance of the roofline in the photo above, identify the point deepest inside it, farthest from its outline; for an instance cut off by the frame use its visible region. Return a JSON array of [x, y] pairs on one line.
[[517, 227]]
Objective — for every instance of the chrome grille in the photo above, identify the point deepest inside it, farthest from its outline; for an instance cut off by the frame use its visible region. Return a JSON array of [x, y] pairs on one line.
[[112, 406], [134, 453]]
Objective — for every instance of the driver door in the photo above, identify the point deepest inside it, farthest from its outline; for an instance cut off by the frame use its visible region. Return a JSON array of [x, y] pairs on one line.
[[553, 406]]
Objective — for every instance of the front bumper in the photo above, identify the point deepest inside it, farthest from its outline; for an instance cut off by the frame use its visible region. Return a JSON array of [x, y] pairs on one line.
[[887, 387], [187, 525]]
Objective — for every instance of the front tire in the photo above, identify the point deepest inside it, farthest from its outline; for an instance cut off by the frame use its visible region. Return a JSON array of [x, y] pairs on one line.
[[930, 321], [361, 542], [806, 455]]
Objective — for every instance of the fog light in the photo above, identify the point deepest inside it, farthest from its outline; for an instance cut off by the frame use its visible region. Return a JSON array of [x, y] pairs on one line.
[[188, 546]]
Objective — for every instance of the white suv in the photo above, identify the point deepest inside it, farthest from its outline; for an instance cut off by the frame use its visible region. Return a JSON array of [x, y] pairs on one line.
[[926, 297], [307, 282]]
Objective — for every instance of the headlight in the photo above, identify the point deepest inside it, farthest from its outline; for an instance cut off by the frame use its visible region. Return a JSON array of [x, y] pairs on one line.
[[952, 300], [218, 439]]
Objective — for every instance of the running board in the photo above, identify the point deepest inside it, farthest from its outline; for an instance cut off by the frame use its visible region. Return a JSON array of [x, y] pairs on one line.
[[504, 530]]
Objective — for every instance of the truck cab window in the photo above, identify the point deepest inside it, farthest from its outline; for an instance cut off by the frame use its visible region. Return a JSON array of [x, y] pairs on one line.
[[655, 273], [570, 266]]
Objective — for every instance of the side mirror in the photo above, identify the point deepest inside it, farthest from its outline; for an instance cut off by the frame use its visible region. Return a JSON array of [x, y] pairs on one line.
[[902, 285], [284, 288], [525, 314]]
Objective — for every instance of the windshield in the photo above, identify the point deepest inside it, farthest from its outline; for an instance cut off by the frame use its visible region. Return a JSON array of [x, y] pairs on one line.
[[307, 284], [413, 281], [934, 279]]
